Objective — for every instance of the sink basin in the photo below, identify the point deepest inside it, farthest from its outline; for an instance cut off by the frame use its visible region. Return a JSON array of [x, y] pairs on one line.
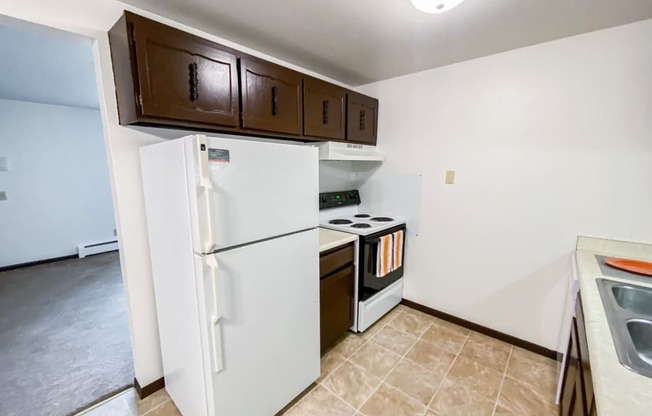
[[635, 299], [629, 314], [641, 334]]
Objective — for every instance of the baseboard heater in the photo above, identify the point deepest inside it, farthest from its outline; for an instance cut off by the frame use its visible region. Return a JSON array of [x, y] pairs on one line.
[[96, 248]]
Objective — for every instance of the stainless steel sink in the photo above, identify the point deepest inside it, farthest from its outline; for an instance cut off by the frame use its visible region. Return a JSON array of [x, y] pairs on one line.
[[641, 333], [633, 298], [629, 313]]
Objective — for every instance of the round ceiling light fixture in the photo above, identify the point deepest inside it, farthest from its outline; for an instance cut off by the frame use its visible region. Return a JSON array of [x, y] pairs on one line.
[[435, 6]]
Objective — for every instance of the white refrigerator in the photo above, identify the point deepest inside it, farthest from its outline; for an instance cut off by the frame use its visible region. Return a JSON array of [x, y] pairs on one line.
[[235, 258]]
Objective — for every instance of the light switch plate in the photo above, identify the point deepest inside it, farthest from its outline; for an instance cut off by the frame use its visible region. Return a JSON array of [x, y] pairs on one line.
[[3, 195], [4, 164], [450, 177]]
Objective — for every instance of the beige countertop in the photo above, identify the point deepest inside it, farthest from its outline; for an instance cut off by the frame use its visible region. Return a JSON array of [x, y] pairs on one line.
[[329, 239], [618, 391]]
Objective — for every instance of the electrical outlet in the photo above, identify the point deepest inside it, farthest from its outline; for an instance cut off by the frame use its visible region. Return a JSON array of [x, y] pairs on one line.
[[3, 195], [4, 164], [450, 177]]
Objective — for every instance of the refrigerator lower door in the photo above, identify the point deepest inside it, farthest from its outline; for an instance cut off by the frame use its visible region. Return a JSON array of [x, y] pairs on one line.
[[261, 314], [242, 191]]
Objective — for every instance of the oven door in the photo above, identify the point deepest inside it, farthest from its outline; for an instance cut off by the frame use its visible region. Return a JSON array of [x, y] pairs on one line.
[[368, 281]]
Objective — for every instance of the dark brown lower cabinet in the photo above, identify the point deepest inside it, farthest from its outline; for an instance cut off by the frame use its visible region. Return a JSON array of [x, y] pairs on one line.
[[577, 397], [336, 294]]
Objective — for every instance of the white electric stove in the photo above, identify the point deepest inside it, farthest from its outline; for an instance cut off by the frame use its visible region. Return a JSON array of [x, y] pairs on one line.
[[375, 295]]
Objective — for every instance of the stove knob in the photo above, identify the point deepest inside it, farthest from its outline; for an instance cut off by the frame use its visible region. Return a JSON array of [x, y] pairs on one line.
[[323, 199]]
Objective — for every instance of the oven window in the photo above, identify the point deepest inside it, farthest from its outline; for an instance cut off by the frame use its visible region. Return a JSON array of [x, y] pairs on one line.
[[369, 282]]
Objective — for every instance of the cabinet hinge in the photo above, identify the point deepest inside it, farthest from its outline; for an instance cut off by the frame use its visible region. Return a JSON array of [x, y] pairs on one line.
[[140, 100]]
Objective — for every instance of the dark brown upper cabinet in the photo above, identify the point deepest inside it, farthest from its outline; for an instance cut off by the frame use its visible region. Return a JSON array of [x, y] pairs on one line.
[[323, 109], [167, 76], [362, 118], [271, 97]]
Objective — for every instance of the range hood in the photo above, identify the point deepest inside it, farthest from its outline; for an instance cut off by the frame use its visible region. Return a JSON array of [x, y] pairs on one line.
[[349, 151]]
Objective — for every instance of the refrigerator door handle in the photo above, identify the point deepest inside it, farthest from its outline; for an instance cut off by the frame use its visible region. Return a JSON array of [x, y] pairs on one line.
[[217, 315], [205, 204]]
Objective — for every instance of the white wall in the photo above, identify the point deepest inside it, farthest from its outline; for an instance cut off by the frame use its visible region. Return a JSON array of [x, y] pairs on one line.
[[94, 18], [58, 182], [28, 52], [548, 142]]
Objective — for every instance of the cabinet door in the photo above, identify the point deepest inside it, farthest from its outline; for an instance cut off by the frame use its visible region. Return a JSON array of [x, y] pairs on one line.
[[569, 397], [585, 366], [271, 97], [362, 118], [181, 76], [323, 109], [336, 306]]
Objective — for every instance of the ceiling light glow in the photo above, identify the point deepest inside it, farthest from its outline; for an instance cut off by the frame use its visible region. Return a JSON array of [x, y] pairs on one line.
[[435, 6]]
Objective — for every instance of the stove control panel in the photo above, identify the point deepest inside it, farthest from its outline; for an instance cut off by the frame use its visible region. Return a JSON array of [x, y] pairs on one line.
[[338, 199]]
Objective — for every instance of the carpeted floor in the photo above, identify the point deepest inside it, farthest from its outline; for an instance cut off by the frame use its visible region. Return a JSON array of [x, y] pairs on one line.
[[64, 336]]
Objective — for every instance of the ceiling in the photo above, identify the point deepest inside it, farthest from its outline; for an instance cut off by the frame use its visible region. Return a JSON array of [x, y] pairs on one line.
[[47, 66], [361, 41]]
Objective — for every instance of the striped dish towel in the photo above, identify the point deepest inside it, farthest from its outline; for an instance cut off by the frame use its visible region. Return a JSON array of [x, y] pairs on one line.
[[385, 261], [397, 258], [390, 253]]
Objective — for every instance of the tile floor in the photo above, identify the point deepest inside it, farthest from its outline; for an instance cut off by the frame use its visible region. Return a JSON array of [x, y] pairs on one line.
[[409, 364], [128, 404]]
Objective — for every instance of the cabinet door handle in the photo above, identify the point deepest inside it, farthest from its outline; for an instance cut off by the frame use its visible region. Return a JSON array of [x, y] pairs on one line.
[[325, 112], [194, 82], [274, 101], [362, 120]]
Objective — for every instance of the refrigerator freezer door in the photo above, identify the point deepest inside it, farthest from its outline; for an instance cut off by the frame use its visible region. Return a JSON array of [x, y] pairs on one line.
[[265, 297], [247, 190]]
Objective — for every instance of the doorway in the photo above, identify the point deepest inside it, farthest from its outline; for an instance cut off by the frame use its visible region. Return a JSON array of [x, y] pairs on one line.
[[64, 326]]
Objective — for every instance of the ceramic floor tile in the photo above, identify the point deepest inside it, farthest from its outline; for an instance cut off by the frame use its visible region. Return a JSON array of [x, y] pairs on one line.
[[476, 377], [394, 340], [321, 402], [486, 353], [537, 372], [529, 355], [452, 326], [495, 343], [434, 359], [377, 360], [348, 345], [351, 383], [415, 381], [113, 407], [519, 399], [388, 401], [329, 362], [166, 409], [501, 411], [141, 407], [453, 399], [410, 324], [372, 330], [420, 315], [402, 307], [444, 338]]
